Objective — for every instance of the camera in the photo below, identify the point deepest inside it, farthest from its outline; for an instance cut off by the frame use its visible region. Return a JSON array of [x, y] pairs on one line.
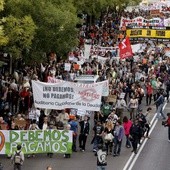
[[164, 123]]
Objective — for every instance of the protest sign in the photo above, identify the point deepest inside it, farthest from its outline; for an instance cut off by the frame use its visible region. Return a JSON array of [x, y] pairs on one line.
[[81, 112], [148, 33], [136, 47], [20, 123], [140, 21], [36, 141], [3, 126], [167, 52], [122, 95], [67, 66], [105, 91], [112, 98], [101, 51], [65, 94]]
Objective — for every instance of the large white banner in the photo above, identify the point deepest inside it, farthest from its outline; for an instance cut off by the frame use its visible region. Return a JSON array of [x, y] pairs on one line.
[[140, 21], [36, 141], [65, 94], [100, 50], [105, 91]]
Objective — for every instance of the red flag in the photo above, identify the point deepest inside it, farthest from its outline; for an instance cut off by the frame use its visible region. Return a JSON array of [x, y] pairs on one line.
[[125, 49]]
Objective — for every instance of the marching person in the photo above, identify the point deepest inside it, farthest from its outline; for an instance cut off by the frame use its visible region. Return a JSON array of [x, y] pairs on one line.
[[159, 104], [147, 124], [18, 158], [118, 137], [108, 136], [74, 127], [168, 124], [127, 125], [120, 106], [101, 158], [98, 136], [135, 134], [133, 105], [84, 132]]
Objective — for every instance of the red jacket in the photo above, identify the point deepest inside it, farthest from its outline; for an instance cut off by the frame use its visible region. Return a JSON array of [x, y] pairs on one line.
[[168, 121], [24, 93], [149, 89]]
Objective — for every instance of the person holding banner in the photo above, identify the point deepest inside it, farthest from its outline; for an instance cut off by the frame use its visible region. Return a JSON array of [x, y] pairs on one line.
[[74, 127], [67, 127]]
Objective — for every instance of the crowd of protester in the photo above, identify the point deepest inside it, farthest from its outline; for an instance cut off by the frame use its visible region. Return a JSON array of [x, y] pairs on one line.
[[143, 82]]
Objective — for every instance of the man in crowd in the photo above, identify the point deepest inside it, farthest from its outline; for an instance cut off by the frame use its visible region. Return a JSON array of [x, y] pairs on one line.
[[84, 132]]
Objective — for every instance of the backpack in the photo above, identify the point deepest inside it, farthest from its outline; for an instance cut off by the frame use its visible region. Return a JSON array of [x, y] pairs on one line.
[[17, 158], [101, 156]]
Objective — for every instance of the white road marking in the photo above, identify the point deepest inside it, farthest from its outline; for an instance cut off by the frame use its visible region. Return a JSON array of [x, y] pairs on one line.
[[130, 163]]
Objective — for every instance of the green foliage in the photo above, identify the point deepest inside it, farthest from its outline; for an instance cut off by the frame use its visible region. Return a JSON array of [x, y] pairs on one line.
[[1, 5], [20, 32], [94, 7], [36, 27], [3, 37], [55, 21]]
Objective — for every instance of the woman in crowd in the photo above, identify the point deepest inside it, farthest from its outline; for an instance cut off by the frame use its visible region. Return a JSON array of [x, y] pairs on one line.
[[133, 105], [108, 136], [127, 125]]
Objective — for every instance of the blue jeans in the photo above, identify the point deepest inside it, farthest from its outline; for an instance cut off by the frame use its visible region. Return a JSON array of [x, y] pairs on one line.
[[101, 167], [160, 111], [117, 146], [97, 140], [128, 143]]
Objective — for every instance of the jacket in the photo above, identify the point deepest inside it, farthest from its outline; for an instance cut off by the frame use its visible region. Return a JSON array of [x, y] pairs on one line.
[[136, 131], [84, 127], [119, 132], [127, 126]]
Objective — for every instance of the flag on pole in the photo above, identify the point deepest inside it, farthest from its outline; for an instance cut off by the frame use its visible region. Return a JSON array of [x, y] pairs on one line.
[[125, 49]]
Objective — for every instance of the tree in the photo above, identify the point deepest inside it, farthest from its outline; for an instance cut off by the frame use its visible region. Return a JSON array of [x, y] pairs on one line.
[[55, 20], [94, 8], [20, 32], [3, 37]]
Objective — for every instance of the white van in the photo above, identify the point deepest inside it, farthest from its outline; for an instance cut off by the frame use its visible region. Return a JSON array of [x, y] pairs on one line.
[[87, 79]]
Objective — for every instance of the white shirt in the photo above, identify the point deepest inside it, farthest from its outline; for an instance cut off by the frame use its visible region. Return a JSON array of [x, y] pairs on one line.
[[44, 126]]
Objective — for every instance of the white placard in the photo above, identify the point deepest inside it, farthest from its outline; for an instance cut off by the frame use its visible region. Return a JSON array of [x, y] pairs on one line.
[[64, 94]]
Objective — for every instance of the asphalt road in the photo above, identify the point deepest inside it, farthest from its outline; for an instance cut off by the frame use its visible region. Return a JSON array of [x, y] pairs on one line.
[[87, 160], [156, 153]]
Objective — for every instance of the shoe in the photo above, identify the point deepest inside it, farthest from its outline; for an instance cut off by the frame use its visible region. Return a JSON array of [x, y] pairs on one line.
[[114, 155], [128, 146], [147, 137], [82, 150], [132, 151], [135, 152], [28, 156], [94, 150]]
